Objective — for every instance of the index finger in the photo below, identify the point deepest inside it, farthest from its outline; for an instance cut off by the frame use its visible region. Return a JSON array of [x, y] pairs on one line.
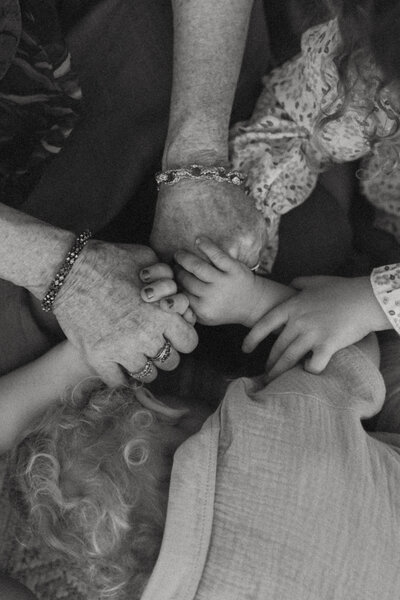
[[197, 266], [264, 327], [216, 256]]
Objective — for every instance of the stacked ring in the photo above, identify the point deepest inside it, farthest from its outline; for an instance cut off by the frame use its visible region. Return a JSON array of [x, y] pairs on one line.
[[256, 267], [164, 353], [143, 373]]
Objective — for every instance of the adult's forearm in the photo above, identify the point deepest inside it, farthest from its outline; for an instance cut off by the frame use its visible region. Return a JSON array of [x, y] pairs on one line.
[[209, 41], [31, 251]]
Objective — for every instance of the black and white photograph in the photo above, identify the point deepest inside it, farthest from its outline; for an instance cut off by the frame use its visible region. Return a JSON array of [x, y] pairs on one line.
[[199, 299]]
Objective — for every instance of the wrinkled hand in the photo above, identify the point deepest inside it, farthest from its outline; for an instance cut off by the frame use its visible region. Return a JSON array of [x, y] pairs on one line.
[[101, 312], [220, 211], [328, 314]]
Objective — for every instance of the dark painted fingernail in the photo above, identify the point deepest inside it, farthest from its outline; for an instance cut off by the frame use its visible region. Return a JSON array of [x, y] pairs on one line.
[[145, 274], [149, 293], [169, 302]]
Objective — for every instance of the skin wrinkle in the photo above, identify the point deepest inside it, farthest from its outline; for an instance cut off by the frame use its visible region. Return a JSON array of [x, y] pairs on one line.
[[34, 250], [133, 319], [202, 98]]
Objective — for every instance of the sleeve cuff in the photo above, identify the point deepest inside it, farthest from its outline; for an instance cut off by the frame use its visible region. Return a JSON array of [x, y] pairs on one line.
[[385, 283]]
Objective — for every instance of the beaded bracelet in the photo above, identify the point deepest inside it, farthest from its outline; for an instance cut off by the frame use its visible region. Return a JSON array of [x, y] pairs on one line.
[[220, 174], [59, 279]]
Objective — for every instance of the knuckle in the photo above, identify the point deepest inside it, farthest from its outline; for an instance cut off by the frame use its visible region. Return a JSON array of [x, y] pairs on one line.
[[215, 255], [324, 348], [149, 254], [302, 324], [196, 263], [289, 358], [206, 314]]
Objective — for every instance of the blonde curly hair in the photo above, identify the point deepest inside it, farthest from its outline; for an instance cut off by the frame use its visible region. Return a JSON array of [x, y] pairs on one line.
[[94, 472]]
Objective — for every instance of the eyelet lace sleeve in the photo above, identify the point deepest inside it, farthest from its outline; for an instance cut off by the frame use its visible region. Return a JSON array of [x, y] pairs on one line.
[[385, 282]]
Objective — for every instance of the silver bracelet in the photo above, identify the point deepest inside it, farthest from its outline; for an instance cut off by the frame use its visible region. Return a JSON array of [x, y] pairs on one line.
[[221, 174], [60, 276]]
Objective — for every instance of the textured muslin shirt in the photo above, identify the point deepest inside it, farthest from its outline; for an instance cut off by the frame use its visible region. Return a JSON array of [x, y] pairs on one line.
[[283, 496]]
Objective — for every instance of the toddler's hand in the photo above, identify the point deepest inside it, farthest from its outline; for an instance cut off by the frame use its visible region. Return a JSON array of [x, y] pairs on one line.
[[161, 287], [328, 314], [220, 289]]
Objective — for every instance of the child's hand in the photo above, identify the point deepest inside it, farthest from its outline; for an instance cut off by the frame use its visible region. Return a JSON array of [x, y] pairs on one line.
[[328, 314], [221, 289], [161, 287]]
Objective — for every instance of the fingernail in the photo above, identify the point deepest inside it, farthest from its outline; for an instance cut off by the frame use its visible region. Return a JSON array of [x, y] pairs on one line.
[[145, 274], [149, 292], [169, 302]]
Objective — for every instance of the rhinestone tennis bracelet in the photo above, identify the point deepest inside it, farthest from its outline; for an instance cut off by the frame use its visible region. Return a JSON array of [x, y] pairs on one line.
[[221, 174], [59, 279]]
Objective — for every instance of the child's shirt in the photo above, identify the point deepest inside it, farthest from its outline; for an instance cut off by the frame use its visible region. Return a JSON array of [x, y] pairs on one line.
[[289, 140], [283, 495]]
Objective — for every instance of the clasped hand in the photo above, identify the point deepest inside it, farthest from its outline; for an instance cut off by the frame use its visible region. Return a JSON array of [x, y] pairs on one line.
[[314, 318], [101, 312], [221, 211]]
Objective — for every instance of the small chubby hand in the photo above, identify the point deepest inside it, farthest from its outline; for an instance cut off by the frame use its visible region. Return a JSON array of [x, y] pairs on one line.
[[220, 289], [216, 289], [328, 314]]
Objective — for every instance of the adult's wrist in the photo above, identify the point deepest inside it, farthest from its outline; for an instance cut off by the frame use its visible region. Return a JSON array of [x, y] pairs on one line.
[[47, 256], [196, 142], [31, 250]]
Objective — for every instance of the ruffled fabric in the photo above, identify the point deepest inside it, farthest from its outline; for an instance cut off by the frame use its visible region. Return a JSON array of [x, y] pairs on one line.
[[290, 139]]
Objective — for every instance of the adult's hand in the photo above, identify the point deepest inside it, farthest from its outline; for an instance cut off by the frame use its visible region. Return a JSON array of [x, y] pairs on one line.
[[219, 211], [101, 312]]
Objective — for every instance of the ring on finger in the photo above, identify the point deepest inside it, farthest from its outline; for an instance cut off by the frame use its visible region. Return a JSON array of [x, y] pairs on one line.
[[164, 353], [256, 267], [145, 372]]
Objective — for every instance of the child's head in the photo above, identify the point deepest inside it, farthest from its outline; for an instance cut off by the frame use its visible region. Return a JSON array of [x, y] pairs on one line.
[[95, 473], [375, 26], [366, 25]]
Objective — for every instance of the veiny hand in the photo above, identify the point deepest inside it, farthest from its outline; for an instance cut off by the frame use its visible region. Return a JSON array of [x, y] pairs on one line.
[[220, 289], [328, 314], [101, 312], [220, 211]]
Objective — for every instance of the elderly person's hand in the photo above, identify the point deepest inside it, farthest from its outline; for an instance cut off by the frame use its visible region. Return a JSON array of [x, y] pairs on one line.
[[220, 211], [101, 312]]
